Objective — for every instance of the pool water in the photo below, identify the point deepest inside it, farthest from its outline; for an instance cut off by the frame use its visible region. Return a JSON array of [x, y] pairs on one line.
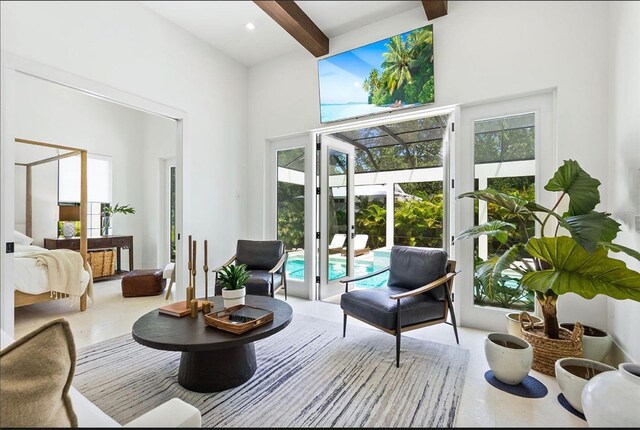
[[295, 270]]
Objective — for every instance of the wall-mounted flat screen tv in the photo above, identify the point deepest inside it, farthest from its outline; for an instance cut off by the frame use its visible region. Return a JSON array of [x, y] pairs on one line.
[[380, 77]]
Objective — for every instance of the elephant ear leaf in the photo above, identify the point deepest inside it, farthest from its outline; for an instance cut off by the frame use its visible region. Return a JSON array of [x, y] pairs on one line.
[[495, 228], [574, 270], [620, 248], [578, 184], [592, 228], [514, 205], [506, 260]]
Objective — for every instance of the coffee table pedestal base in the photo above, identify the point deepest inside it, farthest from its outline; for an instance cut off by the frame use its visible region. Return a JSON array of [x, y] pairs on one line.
[[219, 370]]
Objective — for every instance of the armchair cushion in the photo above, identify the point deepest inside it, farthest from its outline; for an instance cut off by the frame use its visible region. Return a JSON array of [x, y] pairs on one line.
[[412, 267], [375, 306], [259, 254], [259, 283]]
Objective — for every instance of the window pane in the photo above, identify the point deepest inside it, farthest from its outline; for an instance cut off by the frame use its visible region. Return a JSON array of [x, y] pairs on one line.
[[98, 179], [338, 222], [418, 214], [290, 205], [498, 144]]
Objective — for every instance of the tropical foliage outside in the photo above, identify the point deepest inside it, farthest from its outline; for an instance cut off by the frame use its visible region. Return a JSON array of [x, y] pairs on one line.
[[407, 71], [506, 290]]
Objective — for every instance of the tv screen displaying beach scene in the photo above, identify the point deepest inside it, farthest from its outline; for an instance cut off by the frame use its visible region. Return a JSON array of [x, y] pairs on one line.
[[389, 74]]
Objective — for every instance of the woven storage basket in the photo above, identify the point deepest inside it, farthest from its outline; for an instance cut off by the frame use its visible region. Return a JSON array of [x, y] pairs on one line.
[[103, 263], [547, 351]]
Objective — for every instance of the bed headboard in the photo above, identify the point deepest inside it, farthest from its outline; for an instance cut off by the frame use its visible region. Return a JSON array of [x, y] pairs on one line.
[[22, 228]]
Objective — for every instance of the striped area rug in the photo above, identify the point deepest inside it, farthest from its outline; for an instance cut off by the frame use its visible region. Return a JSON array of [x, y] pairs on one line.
[[308, 376]]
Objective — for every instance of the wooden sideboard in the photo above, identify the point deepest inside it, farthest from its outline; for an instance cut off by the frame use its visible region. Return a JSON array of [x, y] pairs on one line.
[[95, 243]]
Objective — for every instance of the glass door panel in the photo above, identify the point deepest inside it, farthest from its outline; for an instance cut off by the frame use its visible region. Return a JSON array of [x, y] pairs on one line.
[[337, 228], [290, 208], [337, 220], [504, 150]]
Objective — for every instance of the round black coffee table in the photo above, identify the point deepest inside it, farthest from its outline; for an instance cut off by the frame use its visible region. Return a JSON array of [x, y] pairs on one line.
[[212, 360]]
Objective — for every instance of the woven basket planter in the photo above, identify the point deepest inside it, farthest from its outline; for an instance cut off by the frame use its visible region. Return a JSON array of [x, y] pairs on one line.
[[547, 351]]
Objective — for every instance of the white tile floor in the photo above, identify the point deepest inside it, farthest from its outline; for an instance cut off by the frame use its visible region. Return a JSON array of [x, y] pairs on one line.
[[481, 404]]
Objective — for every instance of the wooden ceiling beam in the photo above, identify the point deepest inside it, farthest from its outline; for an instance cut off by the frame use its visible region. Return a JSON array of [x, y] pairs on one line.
[[434, 8], [298, 24]]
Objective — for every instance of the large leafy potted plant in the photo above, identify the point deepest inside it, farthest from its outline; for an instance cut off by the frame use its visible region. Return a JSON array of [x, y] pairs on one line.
[[232, 279], [571, 256]]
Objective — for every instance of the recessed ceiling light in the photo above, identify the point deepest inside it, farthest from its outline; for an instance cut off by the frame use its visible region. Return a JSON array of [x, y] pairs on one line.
[[250, 26]]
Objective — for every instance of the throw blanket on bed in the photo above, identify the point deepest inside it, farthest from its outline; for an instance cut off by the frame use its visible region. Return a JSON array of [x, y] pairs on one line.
[[64, 270]]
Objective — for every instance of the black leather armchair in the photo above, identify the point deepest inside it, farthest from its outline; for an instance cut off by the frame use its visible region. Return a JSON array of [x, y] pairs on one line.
[[419, 293], [266, 262]]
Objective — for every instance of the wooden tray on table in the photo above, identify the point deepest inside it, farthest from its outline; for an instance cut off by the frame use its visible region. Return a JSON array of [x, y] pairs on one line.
[[223, 319]]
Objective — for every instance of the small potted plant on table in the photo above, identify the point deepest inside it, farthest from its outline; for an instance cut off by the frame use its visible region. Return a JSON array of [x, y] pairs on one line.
[[232, 279]]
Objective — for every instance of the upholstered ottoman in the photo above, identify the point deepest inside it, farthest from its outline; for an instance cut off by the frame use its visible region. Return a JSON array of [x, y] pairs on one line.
[[138, 283]]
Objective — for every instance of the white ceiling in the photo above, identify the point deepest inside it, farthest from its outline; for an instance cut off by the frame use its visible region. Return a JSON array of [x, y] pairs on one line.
[[222, 23]]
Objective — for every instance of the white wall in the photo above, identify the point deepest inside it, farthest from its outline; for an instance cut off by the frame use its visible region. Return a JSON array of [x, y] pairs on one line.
[[483, 50], [624, 159], [159, 136], [126, 46], [134, 140]]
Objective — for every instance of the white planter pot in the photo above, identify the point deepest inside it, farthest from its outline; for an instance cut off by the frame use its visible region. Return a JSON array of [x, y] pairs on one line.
[[612, 399], [509, 357], [573, 374], [596, 343], [233, 297], [513, 323]]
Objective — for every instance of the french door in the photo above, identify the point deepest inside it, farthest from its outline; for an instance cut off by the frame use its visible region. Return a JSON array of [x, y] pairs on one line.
[[337, 225], [511, 148]]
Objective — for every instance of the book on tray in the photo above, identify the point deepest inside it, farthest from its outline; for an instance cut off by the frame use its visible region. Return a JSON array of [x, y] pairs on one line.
[[178, 309]]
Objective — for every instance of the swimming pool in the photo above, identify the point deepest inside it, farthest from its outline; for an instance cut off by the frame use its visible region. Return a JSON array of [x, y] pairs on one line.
[[295, 271]]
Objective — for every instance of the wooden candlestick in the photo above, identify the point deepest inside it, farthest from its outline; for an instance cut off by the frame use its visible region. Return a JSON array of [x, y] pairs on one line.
[[193, 266], [206, 304], [190, 294], [194, 308]]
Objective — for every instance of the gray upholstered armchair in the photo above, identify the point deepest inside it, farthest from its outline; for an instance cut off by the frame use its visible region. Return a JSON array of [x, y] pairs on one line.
[[418, 294], [266, 261]]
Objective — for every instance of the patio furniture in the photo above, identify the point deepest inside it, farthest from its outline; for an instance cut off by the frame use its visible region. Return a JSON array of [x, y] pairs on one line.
[[337, 243], [359, 245], [266, 261], [418, 294]]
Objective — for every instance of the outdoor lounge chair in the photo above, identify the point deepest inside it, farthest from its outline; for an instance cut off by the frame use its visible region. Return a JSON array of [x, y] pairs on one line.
[[359, 245], [337, 243], [418, 294], [266, 261]]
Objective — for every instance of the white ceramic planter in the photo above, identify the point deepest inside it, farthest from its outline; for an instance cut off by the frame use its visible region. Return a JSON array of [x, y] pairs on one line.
[[612, 399], [596, 343], [509, 357], [513, 323], [233, 297], [572, 384]]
